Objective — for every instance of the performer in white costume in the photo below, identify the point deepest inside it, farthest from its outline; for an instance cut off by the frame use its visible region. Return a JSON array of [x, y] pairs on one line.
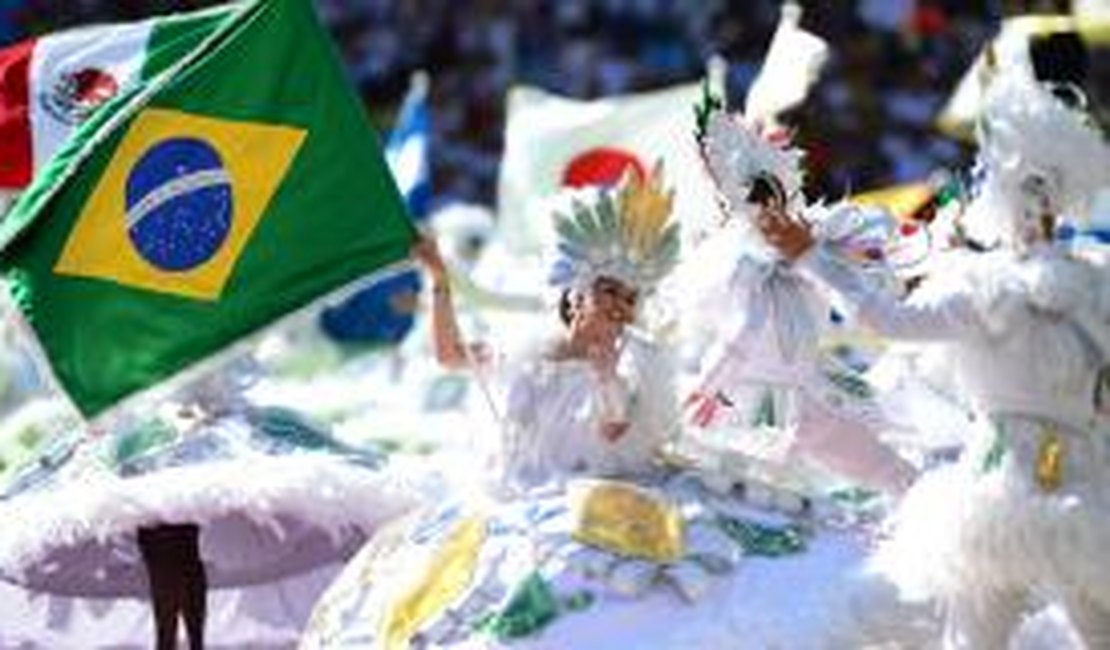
[[587, 540], [768, 371], [1025, 514], [573, 406]]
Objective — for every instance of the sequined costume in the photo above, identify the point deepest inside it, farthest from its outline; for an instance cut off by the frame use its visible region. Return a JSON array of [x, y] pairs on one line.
[[768, 374], [766, 370]]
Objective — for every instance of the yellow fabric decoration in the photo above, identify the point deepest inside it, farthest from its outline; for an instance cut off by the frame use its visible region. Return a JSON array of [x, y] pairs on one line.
[[645, 207], [325, 623], [1050, 461], [626, 519], [444, 580]]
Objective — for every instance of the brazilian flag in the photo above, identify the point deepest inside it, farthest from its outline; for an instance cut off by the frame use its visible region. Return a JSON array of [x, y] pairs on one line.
[[237, 185]]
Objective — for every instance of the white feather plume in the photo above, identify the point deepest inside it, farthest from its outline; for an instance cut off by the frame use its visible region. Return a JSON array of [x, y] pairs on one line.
[[737, 153], [1039, 156]]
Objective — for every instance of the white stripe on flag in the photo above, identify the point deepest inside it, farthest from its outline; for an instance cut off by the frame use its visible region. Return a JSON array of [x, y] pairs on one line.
[[407, 162]]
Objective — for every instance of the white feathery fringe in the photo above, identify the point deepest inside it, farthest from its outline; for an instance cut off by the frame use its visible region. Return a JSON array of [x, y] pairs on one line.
[[736, 154], [1027, 133], [261, 488]]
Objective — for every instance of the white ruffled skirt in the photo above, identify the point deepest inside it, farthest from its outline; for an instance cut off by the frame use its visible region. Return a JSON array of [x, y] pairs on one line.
[[985, 526], [803, 600], [276, 518]]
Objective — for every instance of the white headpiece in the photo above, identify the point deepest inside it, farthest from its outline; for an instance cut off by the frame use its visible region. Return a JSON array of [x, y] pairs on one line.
[[1038, 156], [621, 233], [738, 152]]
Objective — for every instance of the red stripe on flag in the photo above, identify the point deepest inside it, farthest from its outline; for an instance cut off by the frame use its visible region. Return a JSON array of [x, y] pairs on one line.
[[15, 125]]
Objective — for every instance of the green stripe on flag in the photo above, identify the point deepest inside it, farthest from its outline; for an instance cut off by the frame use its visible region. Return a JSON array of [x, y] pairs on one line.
[[108, 271], [175, 36]]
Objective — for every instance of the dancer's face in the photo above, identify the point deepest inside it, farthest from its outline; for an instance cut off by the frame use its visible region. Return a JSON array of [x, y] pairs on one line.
[[1039, 225], [604, 310]]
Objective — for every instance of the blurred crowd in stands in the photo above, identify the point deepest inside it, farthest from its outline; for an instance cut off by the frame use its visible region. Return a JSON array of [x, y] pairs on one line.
[[870, 122]]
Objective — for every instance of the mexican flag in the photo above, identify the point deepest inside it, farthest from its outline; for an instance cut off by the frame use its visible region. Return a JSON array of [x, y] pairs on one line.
[[50, 85], [236, 185], [553, 142]]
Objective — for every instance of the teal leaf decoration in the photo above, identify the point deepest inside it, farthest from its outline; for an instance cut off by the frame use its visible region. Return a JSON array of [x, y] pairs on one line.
[[531, 607], [607, 215]]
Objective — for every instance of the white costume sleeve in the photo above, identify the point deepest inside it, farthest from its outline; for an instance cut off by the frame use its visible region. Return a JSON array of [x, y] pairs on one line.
[[939, 312], [1096, 318], [654, 411]]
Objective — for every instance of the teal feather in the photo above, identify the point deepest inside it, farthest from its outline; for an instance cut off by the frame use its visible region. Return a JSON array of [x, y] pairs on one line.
[[585, 221], [569, 230], [670, 245], [607, 216]]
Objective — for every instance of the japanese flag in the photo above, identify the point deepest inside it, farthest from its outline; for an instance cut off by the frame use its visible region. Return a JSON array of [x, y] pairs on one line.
[[552, 142]]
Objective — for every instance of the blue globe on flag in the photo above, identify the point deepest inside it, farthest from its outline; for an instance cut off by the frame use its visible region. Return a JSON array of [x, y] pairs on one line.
[[179, 204]]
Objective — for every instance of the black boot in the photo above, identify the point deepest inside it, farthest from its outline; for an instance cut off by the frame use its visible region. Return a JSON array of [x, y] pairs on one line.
[[178, 586]]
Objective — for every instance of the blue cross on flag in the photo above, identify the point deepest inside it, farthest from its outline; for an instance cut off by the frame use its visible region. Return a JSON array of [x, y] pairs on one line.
[[407, 148]]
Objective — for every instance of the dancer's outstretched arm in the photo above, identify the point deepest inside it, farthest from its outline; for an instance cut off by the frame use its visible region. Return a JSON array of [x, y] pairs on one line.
[[948, 317], [449, 347]]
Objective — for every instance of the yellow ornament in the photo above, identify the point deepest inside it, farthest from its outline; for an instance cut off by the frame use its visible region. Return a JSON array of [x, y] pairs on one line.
[[446, 575], [626, 519], [645, 206], [1050, 460]]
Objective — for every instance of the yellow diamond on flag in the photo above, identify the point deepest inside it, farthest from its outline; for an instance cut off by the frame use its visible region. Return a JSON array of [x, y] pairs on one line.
[[178, 202]]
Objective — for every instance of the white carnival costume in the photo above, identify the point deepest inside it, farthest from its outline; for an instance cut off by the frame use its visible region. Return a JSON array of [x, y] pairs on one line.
[[1026, 512], [278, 502], [645, 557], [768, 371]]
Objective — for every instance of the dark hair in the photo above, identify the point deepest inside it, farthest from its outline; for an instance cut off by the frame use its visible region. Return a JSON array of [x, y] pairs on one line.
[[565, 307], [1061, 60], [1060, 57], [764, 188]]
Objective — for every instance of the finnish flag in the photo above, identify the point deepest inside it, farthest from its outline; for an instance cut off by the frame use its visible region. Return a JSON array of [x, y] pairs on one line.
[[406, 151]]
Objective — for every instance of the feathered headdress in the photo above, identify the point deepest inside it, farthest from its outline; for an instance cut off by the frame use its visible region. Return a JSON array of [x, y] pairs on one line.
[[621, 233], [1037, 156], [738, 152]]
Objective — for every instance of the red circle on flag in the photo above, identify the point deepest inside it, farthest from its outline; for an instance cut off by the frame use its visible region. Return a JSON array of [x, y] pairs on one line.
[[601, 166]]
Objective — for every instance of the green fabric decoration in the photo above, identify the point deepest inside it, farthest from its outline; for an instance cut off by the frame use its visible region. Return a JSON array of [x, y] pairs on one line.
[[854, 496], [993, 458], [851, 384], [531, 607], [292, 427], [761, 539], [144, 439], [766, 414], [949, 192]]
